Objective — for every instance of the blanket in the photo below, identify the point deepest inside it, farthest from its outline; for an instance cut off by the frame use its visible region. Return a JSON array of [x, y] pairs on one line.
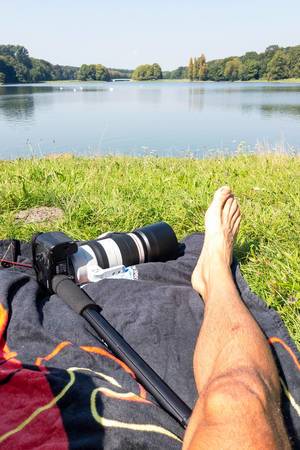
[[60, 386]]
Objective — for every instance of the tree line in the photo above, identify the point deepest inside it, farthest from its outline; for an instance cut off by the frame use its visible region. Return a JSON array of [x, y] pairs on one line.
[[274, 63], [16, 66], [147, 72]]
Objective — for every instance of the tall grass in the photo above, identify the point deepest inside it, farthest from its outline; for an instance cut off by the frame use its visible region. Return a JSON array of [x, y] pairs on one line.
[[119, 193]]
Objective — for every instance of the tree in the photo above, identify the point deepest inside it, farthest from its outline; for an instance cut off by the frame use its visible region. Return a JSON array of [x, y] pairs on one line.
[[157, 73], [272, 49], [277, 68], [86, 72], [19, 67], [2, 78], [41, 70], [101, 73], [249, 70], [202, 70], [196, 69], [232, 69], [293, 55], [178, 74], [147, 72], [191, 69], [215, 70], [7, 68], [250, 55]]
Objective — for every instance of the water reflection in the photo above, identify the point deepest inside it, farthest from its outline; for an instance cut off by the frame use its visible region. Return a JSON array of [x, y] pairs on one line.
[[149, 95], [286, 110], [18, 108], [269, 110], [26, 89], [196, 99], [246, 88]]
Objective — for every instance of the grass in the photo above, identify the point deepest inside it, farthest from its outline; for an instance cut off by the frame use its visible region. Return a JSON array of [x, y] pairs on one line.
[[186, 80], [121, 193], [285, 80]]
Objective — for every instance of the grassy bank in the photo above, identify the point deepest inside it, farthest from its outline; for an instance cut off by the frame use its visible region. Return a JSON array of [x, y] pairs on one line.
[[118, 193]]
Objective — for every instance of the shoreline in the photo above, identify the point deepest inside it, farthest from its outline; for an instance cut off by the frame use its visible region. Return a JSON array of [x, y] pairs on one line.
[[163, 80], [189, 156]]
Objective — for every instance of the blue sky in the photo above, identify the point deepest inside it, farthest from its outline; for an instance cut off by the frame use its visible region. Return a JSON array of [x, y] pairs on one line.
[[123, 34]]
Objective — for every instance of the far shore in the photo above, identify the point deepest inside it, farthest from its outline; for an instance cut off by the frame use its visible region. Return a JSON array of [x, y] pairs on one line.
[[164, 80], [183, 80]]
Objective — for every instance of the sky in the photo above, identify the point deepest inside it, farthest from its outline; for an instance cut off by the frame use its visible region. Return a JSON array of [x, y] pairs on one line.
[[126, 33]]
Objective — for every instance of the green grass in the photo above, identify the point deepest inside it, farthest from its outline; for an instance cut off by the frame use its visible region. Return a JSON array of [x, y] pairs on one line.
[[285, 80], [119, 193]]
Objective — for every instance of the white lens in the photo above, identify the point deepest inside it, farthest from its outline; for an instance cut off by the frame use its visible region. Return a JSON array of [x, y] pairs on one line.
[[139, 246], [112, 252], [82, 260]]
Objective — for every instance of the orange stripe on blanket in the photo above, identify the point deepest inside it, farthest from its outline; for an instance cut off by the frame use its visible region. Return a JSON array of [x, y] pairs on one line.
[[277, 340], [102, 352], [5, 352], [51, 355], [127, 396], [3, 320]]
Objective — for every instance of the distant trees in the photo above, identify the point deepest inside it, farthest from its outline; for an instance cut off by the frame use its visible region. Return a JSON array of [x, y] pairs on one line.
[[18, 67], [249, 70], [191, 69], [147, 72], [95, 72], [278, 68], [178, 74], [202, 68], [102, 74], [232, 69], [86, 72], [197, 68], [120, 73], [7, 69], [274, 63], [40, 70]]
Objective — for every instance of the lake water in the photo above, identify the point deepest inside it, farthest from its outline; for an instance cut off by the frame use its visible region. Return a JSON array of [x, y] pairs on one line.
[[165, 118]]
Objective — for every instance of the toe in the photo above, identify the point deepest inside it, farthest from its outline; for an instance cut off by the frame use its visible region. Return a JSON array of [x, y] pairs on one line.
[[236, 226], [227, 208], [234, 216], [234, 207], [221, 195]]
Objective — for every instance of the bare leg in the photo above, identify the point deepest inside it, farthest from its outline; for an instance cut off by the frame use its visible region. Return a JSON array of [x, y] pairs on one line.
[[236, 377]]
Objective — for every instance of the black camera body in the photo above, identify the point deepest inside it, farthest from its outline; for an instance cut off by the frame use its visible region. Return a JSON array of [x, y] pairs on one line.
[[51, 256], [55, 253]]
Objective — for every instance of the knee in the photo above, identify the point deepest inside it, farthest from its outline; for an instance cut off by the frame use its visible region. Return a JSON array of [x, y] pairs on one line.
[[235, 393]]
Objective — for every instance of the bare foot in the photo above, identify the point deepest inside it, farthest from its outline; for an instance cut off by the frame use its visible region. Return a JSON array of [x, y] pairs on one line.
[[222, 220]]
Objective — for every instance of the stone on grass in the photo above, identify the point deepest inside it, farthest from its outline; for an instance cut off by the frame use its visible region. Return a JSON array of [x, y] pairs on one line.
[[40, 214]]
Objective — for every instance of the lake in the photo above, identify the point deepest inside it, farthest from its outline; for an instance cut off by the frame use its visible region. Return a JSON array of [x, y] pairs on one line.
[[163, 118]]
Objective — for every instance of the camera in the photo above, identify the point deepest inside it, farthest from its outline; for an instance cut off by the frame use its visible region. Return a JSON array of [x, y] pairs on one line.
[[55, 253]]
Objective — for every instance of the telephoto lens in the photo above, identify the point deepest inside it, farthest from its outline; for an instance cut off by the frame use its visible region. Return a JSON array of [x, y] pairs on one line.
[[153, 242]]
